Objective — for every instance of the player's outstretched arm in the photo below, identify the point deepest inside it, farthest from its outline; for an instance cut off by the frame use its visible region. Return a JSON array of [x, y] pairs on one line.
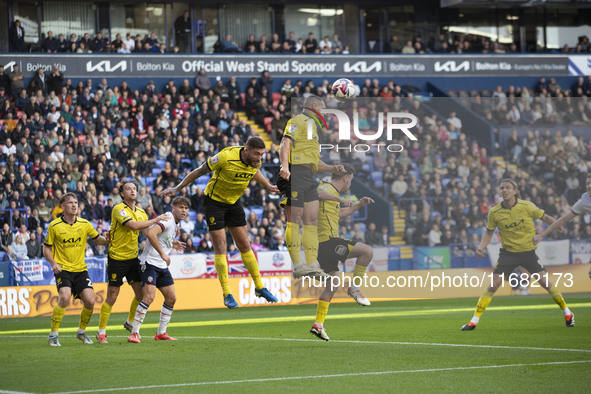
[[192, 177], [284, 148], [152, 235], [351, 210], [553, 225], [327, 196], [49, 257], [133, 225], [486, 238], [261, 179]]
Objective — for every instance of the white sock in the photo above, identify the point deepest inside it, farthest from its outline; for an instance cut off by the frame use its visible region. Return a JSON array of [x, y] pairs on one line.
[[165, 314], [53, 333], [102, 331], [138, 319], [475, 319], [566, 311], [321, 325], [81, 331]]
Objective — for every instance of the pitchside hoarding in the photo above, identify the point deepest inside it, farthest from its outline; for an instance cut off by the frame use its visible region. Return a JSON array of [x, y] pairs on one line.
[[182, 66]]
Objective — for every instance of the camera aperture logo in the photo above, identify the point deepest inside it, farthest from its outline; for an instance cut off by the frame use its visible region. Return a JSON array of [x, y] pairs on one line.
[[344, 128]]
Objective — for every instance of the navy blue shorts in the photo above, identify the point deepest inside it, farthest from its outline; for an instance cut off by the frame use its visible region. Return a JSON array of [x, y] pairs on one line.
[[152, 275]]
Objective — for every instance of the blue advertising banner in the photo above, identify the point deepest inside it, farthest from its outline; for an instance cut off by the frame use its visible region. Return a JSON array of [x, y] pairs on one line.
[[432, 258]]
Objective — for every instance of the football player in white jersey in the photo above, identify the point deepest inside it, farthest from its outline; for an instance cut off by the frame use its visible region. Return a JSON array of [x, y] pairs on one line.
[[580, 207], [154, 272]]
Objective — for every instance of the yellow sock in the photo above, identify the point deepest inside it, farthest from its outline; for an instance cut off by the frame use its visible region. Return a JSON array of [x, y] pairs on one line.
[[221, 266], [56, 317], [251, 264], [557, 297], [105, 314], [85, 316], [321, 311], [132, 308], [358, 272], [310, 242], [293, 240], [483, 302]]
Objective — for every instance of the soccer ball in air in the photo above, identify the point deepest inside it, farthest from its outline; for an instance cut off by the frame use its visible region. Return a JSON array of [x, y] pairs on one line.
[[343, 89]]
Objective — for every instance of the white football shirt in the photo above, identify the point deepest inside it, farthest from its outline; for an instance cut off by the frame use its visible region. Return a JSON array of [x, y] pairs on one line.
[[583, 205], [165, 238]]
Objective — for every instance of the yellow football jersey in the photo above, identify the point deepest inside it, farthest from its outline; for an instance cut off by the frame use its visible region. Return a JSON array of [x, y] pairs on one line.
[[328, 214], [516, 225], [231, 175], [303, 151], [124, 244], [68, 242]]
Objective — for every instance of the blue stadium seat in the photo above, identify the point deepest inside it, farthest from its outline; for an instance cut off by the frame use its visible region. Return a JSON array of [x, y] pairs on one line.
[[192, 215], [196, 240], [362, 227], [156, 171], [376, 175], [150, 180], [186, 162], [160, 163], [2, 254]]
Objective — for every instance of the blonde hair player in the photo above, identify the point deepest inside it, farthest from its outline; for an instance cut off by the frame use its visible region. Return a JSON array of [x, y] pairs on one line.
[[515, 220]]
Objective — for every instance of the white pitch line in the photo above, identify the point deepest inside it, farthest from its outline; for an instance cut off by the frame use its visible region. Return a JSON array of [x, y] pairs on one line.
[[506, 347], [14, 392], [341, 375]]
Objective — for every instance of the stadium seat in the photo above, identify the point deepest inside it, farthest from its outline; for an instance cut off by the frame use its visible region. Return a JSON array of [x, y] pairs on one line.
[[160, 163], [156, 171], [192, 215], [150, 180], [376, 175], [276, 99], [268, 121], [2, 254]]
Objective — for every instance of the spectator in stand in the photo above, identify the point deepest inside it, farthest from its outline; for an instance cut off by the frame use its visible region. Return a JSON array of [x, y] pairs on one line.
[[16, 36], [19, 247], [182, 31], [372, 236], [34, 247], [16, 80], [50, 44], [310, 44]]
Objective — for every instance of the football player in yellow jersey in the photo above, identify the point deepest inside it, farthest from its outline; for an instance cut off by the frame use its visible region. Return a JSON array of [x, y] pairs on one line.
[[65, 250], [515, 220], [333, 249], [233, 168], [300, 160], [126, 222]]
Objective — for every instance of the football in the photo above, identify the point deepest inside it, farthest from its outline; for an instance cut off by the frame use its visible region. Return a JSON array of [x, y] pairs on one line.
[[343, 89]]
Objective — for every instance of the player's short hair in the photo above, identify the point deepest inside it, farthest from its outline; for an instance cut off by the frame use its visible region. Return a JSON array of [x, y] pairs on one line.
[[255, 142], [350, 170], [311, 100], [65, 197], [125, 182], [512, 183], [181, 200]]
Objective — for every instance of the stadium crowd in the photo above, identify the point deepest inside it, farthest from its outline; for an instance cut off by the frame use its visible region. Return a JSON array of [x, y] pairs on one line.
[[59, 136], [444, 43]]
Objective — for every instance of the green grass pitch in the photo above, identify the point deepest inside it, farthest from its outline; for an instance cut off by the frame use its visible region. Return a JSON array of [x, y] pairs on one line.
[[520, 345]]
